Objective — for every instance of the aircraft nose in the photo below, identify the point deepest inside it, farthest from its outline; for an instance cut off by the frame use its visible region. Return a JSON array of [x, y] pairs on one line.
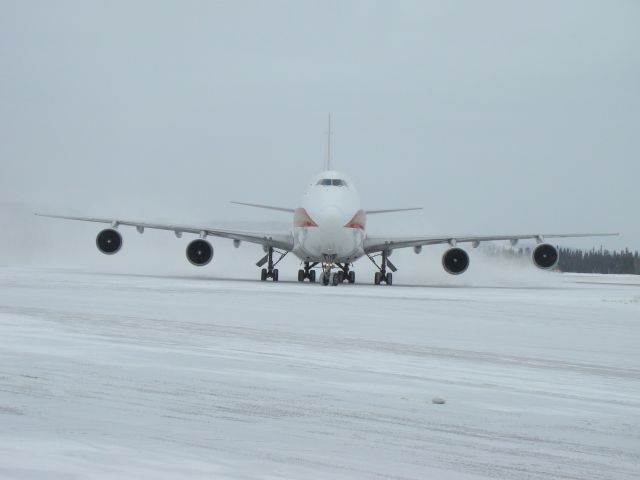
[[330, 217], [329, 231]]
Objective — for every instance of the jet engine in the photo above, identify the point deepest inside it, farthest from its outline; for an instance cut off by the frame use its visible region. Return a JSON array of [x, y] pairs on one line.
[[545, 256], [455, 261], [199, 252], [109, 241]]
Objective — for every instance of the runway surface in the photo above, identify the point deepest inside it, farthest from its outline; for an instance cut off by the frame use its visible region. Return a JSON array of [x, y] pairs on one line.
[[127, 376]]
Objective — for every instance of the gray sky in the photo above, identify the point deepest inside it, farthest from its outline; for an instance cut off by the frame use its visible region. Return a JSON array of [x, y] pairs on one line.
[[497, 117]]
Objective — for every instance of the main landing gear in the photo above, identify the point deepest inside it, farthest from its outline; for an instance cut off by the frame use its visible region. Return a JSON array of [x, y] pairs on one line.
[[383, 276], [341, 274], [346, 275], [270, 271], [307, 272]]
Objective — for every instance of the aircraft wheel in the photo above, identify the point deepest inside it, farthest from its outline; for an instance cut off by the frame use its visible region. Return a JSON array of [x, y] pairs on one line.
[[275, 275], [340, 275], [335, 280], [389, 279], [352, 277], [312, 276], [376, 278], [263, 274], [301, 275], [325, 278]]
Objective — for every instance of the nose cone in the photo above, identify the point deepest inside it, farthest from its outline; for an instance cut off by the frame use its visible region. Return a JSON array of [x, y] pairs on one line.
[[330, 225], [330, 218]]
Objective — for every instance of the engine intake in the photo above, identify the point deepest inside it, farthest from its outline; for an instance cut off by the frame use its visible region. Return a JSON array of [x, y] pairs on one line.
[[545, 256], [199, 252], [109, 241], [455, 261]]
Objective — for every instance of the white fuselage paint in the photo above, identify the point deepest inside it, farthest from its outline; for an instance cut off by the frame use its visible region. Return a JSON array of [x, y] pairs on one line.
[[329, 225]]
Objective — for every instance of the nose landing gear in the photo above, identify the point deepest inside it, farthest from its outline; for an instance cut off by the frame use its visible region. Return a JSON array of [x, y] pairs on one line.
[[334, 278], [341, 275]]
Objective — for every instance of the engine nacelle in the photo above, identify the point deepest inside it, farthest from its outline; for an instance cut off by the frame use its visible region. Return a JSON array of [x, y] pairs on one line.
[[545, 256], [199, 252], [455, 261], [109, 241]]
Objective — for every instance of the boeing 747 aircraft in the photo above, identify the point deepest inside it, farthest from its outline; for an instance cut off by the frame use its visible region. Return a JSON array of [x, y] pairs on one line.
[[329, 235]]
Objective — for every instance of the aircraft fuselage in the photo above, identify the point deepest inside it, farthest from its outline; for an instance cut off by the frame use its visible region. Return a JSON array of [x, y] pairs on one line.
[[329, 225]]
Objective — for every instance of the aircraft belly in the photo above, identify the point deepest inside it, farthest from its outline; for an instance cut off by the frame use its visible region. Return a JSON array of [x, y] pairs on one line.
[[313, 244]]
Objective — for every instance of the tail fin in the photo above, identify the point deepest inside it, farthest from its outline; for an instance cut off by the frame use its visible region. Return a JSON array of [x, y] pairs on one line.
[[328, 165]]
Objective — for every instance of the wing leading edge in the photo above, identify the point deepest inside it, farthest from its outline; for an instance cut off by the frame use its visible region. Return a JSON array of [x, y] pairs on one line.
[[267, 207], [392, 210], [276, 240], [375, 243]]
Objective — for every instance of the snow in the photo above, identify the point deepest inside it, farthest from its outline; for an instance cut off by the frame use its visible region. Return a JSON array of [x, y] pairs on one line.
[[107, 375]]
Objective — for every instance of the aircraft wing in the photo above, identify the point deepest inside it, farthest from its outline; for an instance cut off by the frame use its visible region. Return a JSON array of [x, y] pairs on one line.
[[375, 243], [283, 241], [392, 210], [268, 207]]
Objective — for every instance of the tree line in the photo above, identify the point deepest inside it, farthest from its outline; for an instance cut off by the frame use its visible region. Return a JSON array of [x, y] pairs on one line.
[[599, 261], [580, 261]]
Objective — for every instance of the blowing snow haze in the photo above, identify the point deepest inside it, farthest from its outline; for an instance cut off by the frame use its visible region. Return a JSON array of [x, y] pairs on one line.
[[500, 118], [494, 116]]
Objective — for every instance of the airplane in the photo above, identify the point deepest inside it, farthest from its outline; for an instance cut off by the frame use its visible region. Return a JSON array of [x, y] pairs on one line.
[[328, 235]]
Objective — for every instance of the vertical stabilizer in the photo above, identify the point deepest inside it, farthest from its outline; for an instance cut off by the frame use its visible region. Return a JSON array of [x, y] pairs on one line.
[[328, 164]]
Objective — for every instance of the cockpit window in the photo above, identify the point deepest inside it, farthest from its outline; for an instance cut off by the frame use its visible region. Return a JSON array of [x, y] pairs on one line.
[[335, 182]]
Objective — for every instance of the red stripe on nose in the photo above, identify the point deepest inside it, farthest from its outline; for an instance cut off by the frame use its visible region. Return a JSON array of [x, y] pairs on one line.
[[302, 219], [359, 220]]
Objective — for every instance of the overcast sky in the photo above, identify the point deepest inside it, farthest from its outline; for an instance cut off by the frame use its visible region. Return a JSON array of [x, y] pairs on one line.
[[497, 117]]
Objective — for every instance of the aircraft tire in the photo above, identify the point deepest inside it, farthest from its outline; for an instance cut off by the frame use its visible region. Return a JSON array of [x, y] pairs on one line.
[[325, 279], [389, 279], [301, 275], [312, 276], [335, 280], [275, 275], [352, 277], [376, 278], [263, 275]]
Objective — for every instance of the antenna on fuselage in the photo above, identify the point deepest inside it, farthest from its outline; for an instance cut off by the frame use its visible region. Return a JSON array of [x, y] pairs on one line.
[[328, 164]]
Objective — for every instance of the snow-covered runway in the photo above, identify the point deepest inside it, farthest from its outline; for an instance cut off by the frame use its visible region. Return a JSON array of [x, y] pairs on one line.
[[112, 376]]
